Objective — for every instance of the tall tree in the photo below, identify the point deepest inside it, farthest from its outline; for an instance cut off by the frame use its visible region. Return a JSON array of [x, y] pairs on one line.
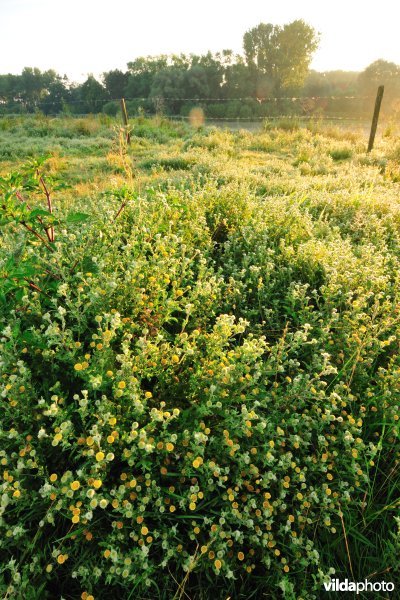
[[380, 72], [9, 87], [238, 79], [57, 95], [168, 89], [297, 43], [115, 82], [141, 74], [278, 56], [212, 70], [92, 95], [260, 48]]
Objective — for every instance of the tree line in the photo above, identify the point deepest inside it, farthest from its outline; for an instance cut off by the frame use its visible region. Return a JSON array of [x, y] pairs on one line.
[[271, 77]]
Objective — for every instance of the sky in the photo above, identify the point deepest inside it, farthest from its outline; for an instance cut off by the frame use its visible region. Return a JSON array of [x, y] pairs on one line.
[[78, 37]]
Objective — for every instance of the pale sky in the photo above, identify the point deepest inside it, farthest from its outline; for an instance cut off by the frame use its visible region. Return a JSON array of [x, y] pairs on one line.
[[77, 37]]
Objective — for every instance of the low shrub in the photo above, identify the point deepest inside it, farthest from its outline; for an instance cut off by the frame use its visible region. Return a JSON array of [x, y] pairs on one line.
[[340, 153]]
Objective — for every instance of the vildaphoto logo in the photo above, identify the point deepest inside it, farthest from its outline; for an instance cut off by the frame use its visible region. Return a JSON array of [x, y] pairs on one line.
[[335, 585]]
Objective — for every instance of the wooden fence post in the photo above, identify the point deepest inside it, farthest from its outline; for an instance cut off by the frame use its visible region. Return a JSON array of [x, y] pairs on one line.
[[125, 119], [375, 117]]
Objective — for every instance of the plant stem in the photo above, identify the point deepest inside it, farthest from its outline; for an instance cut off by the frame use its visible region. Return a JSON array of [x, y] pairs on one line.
[[35, 233], [121, 208], [50, 230]]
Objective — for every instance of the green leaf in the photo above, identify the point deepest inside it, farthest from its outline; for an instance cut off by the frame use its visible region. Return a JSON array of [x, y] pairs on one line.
[[77, 217], [89, 265], [39, 212]]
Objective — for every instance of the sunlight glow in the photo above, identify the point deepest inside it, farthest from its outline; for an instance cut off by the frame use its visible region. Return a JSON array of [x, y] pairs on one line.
[[93, 36]]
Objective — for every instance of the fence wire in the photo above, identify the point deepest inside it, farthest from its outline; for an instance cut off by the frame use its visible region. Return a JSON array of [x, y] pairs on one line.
[[155, 99]]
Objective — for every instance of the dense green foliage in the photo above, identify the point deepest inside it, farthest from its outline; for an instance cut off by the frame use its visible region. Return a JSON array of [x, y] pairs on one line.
[[282, 54], [199, 361], [262, 82]]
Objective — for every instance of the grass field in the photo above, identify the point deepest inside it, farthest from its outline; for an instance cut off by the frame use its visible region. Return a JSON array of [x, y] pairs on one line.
[[199, 360]]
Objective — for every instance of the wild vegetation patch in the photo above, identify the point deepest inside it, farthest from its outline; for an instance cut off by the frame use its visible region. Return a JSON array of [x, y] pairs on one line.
[[199, 369]]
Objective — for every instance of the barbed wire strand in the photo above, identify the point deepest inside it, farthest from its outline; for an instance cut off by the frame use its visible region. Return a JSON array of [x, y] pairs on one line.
[[270, 118], [195, 99]]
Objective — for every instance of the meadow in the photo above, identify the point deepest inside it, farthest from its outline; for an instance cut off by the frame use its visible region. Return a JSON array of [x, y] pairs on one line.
[[199, 360]]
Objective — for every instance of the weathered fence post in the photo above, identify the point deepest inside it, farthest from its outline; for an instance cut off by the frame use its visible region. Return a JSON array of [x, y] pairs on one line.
[[125, 119], [375, 118]]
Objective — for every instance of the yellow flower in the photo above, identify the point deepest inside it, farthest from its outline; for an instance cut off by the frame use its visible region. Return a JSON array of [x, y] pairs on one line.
[[122, 385], [192, 506], [77, 367], [175, 358], [148, 395], [169, 446], [109, 373], [97, 483], [218, 564], [53, 477], [240, 556], [75, 519], [61, 558], [110, 439], [144, 530], [75, 485], [100, 456]]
